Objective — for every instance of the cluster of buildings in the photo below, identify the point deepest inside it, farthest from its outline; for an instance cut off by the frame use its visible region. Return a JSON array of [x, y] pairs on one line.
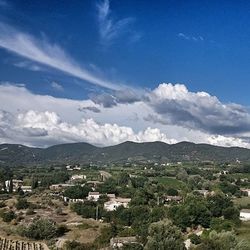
[[112, 204], [17, 185], [71, 168], [115, 202]]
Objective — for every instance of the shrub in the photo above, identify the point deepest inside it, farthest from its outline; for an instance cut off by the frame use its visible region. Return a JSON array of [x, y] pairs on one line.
[[195, 239], [8, 216], [41, 229], [22, 204]]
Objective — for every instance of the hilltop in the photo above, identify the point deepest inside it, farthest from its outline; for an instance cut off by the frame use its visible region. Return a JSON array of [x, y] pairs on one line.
[[13, 154]]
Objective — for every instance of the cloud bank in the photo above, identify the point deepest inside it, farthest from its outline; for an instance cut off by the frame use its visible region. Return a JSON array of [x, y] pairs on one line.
[[47, 128], [169, 113]]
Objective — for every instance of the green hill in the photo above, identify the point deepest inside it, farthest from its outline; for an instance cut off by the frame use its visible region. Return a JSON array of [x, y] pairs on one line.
[[12, 154]]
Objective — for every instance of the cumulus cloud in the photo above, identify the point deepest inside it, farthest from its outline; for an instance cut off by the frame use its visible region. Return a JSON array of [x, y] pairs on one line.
[[51, 55], [110, 29], [41, 120], [47, 127], [174, 104]]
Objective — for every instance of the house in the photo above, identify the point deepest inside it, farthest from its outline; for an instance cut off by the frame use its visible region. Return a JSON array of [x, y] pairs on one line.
[[170, 198], [17, 183], [26, 189], [94, 196], [247, 191], [111, 205], [67, 199], [111, 196], [245, 214], [118, 242], [114, 203], [59, 187], [204, 192], [69, 168], [78, 177]]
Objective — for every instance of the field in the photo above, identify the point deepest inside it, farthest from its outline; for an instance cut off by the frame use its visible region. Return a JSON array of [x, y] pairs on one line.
[[244, 231], [243, 202], [169, 182]]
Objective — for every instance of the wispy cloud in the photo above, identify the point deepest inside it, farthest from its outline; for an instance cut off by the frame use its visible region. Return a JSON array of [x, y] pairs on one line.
[[51, 55], [28, 65], [191, 38], [57, 86], [110, 29]]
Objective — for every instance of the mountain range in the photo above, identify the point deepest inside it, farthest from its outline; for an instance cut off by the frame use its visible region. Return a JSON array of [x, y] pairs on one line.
[[84, 153]]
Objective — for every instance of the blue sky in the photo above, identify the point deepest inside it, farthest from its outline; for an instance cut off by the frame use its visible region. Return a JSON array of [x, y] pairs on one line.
[[115, 54]]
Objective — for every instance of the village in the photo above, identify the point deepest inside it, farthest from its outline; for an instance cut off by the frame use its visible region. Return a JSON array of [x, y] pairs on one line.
[[100, 208]]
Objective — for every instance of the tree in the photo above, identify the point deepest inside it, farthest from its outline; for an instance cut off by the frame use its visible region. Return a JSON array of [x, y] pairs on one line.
[[34, 183], [77, 192], [231, 213], [172, 192], [8, 216], [41, 229], [123, 179], [218, 202], [221, 241], [193, 212], [132, 246], [164, 235], [195, 239]]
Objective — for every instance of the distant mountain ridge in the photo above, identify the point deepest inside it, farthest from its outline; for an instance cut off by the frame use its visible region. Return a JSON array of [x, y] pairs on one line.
[[16, 154]]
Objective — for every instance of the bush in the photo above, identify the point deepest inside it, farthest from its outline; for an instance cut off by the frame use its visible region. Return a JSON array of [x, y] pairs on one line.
[[30, 211], [2, 204], [8, 216], [74, 245], [195, 239], [22, 204], [41, 229]]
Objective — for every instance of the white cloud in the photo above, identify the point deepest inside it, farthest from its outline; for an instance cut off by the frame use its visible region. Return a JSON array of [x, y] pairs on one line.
[[41, 120], [191, 38], [57, 86], [109, 29], [47, 54], [47, 127], [175, 104], [28, 65]]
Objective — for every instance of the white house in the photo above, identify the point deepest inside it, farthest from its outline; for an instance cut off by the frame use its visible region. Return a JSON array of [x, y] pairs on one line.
[[118, 242], [114, 203], [247, 191], [26, 189], [78, 177], [111, 196], [245, 214], [94, 196], [67, 199], [61, 186]]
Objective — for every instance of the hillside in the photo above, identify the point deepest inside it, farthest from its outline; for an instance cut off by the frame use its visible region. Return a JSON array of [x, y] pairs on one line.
[[12, 154]]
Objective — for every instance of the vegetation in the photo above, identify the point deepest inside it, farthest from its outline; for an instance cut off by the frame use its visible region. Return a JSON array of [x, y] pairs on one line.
[[169, 201]]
